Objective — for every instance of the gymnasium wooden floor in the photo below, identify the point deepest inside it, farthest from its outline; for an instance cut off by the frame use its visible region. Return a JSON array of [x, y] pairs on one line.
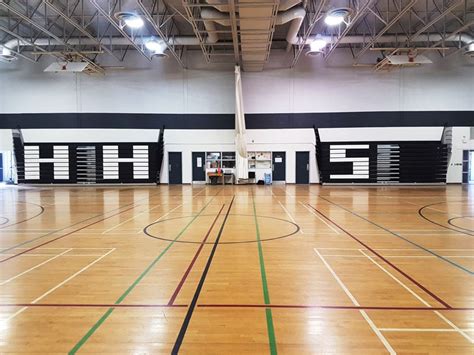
[[234, 270]]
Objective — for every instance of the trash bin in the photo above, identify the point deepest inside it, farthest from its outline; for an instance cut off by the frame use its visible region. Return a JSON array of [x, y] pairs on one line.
[[268, 179]]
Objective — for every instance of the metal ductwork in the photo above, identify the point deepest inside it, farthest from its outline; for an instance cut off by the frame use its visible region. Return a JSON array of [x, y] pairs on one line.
[[211, 14], [292, 38], [223, 5], [256, 25]]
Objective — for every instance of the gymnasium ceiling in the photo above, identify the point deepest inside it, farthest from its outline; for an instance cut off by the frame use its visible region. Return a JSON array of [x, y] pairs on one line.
[[246, 32]]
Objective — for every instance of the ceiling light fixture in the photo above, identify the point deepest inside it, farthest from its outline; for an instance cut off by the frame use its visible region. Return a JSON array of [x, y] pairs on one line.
[[470, 50], [316, 47], [129, 19], [336, 16], [157, 47], [6, 55]]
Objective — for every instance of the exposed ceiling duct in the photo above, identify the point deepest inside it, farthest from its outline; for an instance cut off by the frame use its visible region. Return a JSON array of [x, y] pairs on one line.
[[223, 5], [233, 31], [14, 44]]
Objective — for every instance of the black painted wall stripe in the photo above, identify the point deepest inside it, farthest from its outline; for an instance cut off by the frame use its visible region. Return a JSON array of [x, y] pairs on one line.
[[226, 121]]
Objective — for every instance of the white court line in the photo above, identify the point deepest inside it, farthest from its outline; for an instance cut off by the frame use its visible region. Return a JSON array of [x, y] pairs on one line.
[[402, 256], [128, 220], [166, 214], [354, 301], [81, 248], [58, 286], [318, 217], [289, 215], [200, 192], [423, 330], [35, 267], [284, 190], [418, 297], [396, 279], [390, 249], [65, 256], [28, 230]]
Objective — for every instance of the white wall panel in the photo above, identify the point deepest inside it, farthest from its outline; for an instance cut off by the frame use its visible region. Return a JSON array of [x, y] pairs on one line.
[[209, 91], [313, 86], [24, 87], [461, 141], [374, 134], [6, 140], [90, 135]]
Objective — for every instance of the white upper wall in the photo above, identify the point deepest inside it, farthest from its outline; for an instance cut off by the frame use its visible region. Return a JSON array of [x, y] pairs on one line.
[[377, 134], [86, 135], [6, 140], [313, 86]]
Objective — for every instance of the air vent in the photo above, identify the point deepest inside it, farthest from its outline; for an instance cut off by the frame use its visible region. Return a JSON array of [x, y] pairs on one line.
[[66, 67], [408, 59]]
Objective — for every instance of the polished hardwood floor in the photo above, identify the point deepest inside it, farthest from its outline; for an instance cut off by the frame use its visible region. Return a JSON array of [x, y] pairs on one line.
[[237, 270]]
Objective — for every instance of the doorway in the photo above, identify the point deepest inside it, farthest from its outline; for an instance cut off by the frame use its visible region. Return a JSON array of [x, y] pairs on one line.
[[471, 167], [175, 168], [302, 167], [279, 166], [199, 166]]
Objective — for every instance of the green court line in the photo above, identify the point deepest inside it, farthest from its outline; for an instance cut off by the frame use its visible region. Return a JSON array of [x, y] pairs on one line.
[[266, 294], [104, 317]]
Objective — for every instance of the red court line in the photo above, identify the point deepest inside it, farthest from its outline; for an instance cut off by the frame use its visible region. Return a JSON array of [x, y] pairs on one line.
[[93, 305], [64, 235], [287, 306], [188, 270], [385, 260], [388, 308]]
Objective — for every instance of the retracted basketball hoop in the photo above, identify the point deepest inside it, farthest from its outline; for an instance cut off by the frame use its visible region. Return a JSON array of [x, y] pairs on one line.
[[411, 56]]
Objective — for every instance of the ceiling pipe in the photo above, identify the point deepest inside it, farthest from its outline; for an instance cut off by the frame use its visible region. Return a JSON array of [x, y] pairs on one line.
[[211, 16], [14, 44], [223, 5], [296, 16]]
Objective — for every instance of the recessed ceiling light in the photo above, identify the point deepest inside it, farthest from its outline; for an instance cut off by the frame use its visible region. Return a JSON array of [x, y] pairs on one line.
[[130, 19], [336, 16]]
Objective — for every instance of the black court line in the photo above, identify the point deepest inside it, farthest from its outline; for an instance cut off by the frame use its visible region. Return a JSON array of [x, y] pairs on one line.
[[74, 224], [26, 219], [420, 212], [146, 232], [450, 221], [460, 267], [84, 220], [192, 306]]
